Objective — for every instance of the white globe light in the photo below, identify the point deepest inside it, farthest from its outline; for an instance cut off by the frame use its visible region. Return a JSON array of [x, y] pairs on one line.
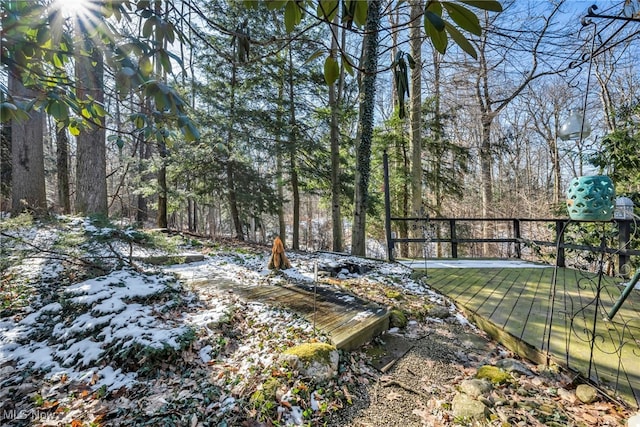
[[571, 128]]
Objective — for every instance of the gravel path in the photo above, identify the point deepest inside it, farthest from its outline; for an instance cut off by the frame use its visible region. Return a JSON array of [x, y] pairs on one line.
[[410, 392], [421, 388]]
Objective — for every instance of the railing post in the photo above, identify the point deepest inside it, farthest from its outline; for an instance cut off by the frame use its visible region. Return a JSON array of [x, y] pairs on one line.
[[387, 206], [516, 236], [560, 261], [624, 235], [454, 243]]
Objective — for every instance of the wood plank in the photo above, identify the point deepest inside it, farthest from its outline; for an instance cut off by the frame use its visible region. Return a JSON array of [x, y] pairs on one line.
[[512, 307]]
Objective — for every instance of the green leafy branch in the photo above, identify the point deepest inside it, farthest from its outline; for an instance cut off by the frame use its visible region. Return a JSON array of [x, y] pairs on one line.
[[401, 78]]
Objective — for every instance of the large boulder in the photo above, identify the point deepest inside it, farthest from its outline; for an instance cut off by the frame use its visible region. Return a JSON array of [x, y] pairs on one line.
[[467, 408], [586, 393], [475, 387], [315, 360]]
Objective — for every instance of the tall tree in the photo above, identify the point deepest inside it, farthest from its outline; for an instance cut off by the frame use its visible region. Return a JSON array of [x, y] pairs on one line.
[[493, 98], [91, 166], [363, 13], [369, 62], [27, 154], [62, 166], [31, 28], [292, 151], [335, 95], [415, 41]]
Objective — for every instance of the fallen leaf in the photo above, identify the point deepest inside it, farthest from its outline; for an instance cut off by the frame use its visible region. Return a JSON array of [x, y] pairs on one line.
[[49, 404], [589, 419], [392, 395], [426, 416], [285, 404], [76, 423], [347, 395]]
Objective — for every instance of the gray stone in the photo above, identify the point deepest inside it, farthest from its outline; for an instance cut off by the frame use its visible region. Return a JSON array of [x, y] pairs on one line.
[[315, 360], [439, 312], [475, 387], [586, 394], [513, 365], [467, 408]]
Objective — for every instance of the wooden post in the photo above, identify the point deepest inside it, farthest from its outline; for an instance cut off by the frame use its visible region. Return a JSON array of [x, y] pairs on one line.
[[454, 242], [387, 206], [516, 236], [560, 261]]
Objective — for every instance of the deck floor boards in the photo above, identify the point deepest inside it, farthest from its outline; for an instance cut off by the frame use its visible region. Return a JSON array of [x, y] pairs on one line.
[[517, 301], [348, 320]]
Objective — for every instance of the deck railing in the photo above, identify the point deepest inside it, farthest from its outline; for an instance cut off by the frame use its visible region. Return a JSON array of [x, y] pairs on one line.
[[511, 231]]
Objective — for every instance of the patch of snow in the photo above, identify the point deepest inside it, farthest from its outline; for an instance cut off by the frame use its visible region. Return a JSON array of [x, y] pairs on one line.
[[205, 353], [461, 319], [71, 348]]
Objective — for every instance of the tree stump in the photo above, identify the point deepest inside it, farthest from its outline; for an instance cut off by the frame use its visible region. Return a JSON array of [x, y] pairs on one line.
[[278, 259]]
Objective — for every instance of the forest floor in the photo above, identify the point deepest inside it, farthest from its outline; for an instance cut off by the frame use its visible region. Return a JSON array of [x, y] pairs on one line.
[[93, 335]]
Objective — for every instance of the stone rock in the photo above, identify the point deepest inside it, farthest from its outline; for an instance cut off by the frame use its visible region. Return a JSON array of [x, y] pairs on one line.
[[475, 387], [397, 319], [316, 360], [513, 365], [466, 408], [493, 374], [567, 395], [439, 312], [586, 394]]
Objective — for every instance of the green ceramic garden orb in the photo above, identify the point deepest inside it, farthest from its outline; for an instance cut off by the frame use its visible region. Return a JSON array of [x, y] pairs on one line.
[[591, 198]]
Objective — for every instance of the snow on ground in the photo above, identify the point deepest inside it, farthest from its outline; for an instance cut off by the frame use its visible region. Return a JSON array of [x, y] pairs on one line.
[[106, 317], [99, 330]]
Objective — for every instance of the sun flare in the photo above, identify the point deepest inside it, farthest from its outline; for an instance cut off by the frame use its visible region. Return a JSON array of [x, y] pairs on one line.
[[73, 8]]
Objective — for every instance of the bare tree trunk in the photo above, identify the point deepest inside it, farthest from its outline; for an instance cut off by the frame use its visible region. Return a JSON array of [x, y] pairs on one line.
[[415, 40], [162, 146], [5, 167], [334, 103], [282, 226], [62, 166], [91, 166], [293, 136], [231, 189], [437, 136], [365, 129], [404, 199], [142, 211], [27, 156]]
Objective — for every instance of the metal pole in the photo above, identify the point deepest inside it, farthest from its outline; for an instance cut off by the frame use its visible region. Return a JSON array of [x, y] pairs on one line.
[[630, 286]]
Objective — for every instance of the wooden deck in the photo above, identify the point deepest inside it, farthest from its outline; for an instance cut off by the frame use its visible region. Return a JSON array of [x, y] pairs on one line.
[[513, 306], [348, 320]]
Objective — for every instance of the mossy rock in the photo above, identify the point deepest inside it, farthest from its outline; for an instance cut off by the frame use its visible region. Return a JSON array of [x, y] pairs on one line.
[[493, 374], [397, 319], [393, 294], [316, 360], [315, 351]]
